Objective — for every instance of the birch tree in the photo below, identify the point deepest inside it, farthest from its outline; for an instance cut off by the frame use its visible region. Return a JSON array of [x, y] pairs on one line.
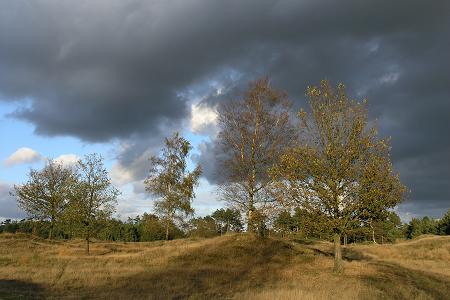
[[170, 180], [253, 131]]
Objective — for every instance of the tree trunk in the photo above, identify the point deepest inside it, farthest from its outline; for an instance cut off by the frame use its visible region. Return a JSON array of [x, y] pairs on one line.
[[50, 233], [249, 221], [34, 231], [338, 264], [261, 229], [252, 182], [88, 235], [167, 229], [250, 217], [373, 233]]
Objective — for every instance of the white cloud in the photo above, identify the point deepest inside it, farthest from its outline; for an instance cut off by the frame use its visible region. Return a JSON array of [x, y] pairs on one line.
[[139, 187], [121, 175], [23, 155], [67, 160], [135, 201], [203, 118], [206, 201], [130, 169], [131, 204], [389, 78]]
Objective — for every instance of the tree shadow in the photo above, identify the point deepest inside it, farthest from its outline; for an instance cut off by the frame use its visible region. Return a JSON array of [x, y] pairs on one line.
[[391, 275], [304, 241], [16, 289], [348, 254], [217, 271]]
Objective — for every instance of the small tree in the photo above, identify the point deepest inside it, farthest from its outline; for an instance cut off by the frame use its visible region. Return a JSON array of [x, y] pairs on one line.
[[392, 227], [203, 227], [95, 196], [417, 227], [341, 171], [169, 179], [414, 228], [46, 194], [151, 228], [443, 227], [308, 224], [227, 220], [253, 132], [284, 223], [429, 225]]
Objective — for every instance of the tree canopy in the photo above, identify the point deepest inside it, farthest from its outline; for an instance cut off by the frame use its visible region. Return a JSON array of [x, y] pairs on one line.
[[341, 171], [254, 130], [47, 193], [95, 197]]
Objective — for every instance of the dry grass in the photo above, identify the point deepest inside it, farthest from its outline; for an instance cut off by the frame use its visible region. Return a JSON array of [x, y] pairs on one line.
[[430, 253], [234, 266]]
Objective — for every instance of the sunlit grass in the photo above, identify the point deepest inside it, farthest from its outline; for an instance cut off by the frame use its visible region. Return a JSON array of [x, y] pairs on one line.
[[233, 266]]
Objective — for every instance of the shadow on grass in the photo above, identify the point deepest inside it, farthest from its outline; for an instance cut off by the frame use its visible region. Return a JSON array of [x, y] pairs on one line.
[[397, 282], [15, 289], [304, 241], [216, 271], [348, 254], [393, 280]]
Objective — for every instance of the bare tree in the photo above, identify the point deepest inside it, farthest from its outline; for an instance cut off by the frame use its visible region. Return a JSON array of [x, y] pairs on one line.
[[46, 193], [341, 172], [170, 179], [253, 131]]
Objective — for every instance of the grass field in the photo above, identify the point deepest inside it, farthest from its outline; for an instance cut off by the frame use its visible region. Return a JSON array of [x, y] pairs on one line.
[[233, 266]]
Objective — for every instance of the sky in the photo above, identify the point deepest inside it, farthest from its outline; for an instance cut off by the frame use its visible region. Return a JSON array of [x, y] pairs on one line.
[[117, 76]]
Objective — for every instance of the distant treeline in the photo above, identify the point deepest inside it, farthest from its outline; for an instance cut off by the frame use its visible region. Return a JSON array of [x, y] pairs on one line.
[[148, 227], [299, 224], [303, 225]]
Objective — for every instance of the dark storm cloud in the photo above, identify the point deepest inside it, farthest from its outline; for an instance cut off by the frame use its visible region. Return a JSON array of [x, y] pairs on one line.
[[102, 70]]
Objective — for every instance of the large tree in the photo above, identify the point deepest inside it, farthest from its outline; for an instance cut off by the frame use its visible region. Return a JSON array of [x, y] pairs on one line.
[[253, 131], [170, 179], [341, 171], [46, 193], [94, 198]]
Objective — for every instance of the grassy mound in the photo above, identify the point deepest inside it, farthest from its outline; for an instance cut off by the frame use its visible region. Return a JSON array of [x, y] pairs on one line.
[[232, 266]]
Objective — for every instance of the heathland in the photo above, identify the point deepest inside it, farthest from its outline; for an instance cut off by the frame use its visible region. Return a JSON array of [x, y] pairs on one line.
[[233, 266]]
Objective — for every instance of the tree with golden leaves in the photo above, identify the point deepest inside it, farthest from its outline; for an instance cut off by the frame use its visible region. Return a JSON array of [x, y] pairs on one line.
[[170, 179], [341, 171], [253, 131], [46, 194]]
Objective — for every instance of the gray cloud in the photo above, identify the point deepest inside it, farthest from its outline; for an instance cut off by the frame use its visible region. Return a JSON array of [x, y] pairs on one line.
[[8, 204], [120, 70], [207, 159]]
